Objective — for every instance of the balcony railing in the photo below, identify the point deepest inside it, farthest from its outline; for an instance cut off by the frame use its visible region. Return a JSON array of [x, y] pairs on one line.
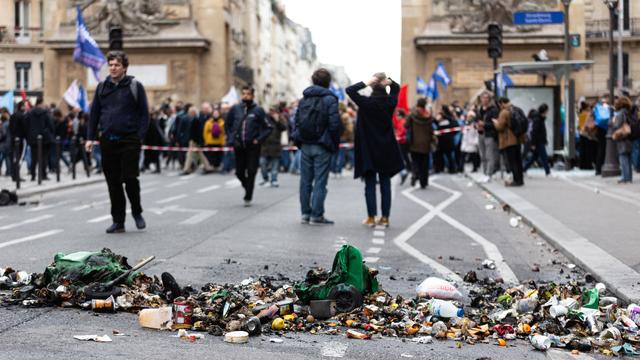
[[20, 36], [600, 28]]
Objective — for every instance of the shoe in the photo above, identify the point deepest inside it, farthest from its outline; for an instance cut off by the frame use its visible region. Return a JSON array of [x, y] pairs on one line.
[[140, 223], [185, 173], [274, 184], [304, 220], [383, 221], [247, 203], [512, 184], [403, 178], [115, 228], [413, 181], [320, 221], [370, 221], [262, 183]]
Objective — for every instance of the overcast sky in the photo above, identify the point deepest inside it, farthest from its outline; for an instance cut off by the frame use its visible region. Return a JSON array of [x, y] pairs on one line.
[[345, 34]]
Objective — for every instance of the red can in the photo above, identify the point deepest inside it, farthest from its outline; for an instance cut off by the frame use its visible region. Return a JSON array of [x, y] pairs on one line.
[[182, 312]]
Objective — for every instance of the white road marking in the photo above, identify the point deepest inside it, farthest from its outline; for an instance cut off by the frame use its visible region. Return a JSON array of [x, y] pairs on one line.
[[379, 233], [87, 206], [174, 184], [170, 199], [489, 248], [380, 227], [373, 250], [377, 241], [402, 239], [150, 183], [25, 222], [209, 188], [45, 207], [103, 218], [231, 184], [334, 349], [30, 238], [371, 260], [202, 216], [148, 191]]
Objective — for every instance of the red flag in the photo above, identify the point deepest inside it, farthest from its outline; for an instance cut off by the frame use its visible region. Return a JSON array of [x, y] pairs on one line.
[[23, 95], [403, 102], [398, 124]]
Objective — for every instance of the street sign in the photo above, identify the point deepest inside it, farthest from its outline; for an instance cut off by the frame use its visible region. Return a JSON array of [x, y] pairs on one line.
[[574, 40], [538, 17]]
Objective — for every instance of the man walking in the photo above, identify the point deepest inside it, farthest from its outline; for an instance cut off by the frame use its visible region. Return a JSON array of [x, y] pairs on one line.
[[120, 110], [247, 128], [39, 123], [317, 134], [509, 141]]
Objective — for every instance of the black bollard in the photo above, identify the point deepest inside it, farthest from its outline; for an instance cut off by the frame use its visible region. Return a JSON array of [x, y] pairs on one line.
[[85, 159], [74, 154], [58, 154], [40, 162], [16, 162]]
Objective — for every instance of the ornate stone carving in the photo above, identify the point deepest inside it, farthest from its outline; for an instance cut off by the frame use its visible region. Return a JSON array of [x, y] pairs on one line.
[[473, 16], [134, 16]]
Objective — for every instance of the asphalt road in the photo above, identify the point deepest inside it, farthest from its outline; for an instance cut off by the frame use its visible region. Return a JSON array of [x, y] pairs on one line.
[[200, 232]]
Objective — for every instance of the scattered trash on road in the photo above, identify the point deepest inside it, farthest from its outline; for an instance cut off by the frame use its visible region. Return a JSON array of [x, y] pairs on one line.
[[96, 338]]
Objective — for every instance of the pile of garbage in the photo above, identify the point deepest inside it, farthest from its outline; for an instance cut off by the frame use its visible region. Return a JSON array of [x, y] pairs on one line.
[[344, 301]]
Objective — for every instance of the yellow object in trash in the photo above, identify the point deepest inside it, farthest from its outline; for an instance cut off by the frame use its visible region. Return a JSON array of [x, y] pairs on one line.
[[277, 324]]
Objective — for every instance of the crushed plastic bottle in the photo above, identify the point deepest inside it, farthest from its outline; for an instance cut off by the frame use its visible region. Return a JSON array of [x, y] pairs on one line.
[[444, 309]]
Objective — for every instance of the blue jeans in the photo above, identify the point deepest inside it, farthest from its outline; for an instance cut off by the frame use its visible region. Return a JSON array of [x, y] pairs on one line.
[[285, 160], [228, 161], [370, 193], [337, 161], [295, 164], [269, 164], [635, 155], [5, 157], [314, 175], [539, 154], [625, 166]]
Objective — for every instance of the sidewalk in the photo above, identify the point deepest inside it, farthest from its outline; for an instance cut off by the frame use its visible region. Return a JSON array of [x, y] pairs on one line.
[[30, 188], [593, 221]]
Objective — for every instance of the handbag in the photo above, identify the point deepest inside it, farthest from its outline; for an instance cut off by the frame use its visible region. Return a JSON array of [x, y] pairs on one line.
[[622, 133]]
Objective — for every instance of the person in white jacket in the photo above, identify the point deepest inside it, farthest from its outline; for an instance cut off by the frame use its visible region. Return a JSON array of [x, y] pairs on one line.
[[470, 139]]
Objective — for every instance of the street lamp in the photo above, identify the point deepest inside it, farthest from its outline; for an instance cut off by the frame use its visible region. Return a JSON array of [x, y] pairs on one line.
[[611, 166], [566, 4], [568, 90]]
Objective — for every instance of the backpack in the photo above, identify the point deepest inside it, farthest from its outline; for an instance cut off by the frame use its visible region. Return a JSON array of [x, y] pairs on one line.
[[8, 197], [133, 86], [310, 120], [519, 123], [216, 130]]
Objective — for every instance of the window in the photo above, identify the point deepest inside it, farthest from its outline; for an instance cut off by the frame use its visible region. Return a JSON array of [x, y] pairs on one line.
[[626, 19], [22, 75], [22, 17]]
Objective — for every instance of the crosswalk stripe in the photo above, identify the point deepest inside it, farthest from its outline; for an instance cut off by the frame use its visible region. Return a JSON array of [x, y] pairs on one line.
[[30, 238], [377, 241], [25, 222], [170, 199], [209, 188]]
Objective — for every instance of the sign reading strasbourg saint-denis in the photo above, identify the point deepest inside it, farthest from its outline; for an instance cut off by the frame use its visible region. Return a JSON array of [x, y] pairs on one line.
[[538, 17]]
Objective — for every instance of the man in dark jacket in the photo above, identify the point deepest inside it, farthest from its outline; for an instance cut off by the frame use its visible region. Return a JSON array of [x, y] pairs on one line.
[[377, 153], [272, 149], [317, 134], [247, 128], [39, 123], [488, 144], [538, 141], [120, 110]]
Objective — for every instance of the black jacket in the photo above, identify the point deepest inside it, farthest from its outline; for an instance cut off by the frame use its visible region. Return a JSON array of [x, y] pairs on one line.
[[244, 124], [116, 111], [376, 148], [39, 122], [446, 141], [17, 125], [272, 146], [538, 130], [487, 115], [330, 139]]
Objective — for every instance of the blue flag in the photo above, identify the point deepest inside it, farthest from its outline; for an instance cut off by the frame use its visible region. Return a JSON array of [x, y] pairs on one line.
[[432, 89], [7, 101], [337, 91], [82, 99], [87, 51], [442, 76], [503, 81], [421, 86]]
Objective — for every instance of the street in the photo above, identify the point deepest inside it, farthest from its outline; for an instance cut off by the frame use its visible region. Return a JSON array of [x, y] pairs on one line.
[[200, 232]]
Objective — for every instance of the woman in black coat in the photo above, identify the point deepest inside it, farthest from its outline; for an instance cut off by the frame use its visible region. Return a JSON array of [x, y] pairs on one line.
[[377, 153]]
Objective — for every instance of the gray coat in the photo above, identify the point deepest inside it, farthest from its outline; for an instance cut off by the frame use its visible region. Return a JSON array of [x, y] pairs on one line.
[[625, 145]]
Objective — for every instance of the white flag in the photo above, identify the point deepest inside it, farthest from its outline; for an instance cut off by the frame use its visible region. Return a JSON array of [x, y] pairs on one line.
[[231, 97], [72, 94]]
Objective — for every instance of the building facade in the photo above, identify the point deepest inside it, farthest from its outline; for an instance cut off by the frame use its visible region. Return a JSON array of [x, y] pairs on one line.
[[454, 33], [21, 46], [189, 50]]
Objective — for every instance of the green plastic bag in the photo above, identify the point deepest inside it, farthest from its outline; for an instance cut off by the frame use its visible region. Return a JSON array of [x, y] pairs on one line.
[[590, 298], [84, 267], [347, 269]]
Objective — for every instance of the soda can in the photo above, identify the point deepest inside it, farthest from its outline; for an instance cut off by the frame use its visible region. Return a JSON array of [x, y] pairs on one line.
[[285, 307], [182, 312], [105, 306]]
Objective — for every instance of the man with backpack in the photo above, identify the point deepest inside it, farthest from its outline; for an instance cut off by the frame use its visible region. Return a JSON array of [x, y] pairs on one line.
[[512, 124], [317, 133], [120, 110], [247, 128]]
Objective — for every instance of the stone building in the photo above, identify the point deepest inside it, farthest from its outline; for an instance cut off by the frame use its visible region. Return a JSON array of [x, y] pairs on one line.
[[454, 32], [192, 50], [21, 46]]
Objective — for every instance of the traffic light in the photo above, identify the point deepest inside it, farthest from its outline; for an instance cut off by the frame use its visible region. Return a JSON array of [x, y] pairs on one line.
[[495, 41], [115, 38]]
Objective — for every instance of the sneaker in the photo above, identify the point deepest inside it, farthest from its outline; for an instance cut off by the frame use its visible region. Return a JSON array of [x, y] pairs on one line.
[[274, 184], [115, 228], [140, 223], [304, 220], [383, 221], [370, 221], [320, 221], [247, 203]]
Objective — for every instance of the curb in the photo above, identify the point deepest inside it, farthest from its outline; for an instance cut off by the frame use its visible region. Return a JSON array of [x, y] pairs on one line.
[[619, 278], [22, 193]]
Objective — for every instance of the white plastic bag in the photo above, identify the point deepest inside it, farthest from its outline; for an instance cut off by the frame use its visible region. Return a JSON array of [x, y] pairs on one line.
[[437, 288]]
